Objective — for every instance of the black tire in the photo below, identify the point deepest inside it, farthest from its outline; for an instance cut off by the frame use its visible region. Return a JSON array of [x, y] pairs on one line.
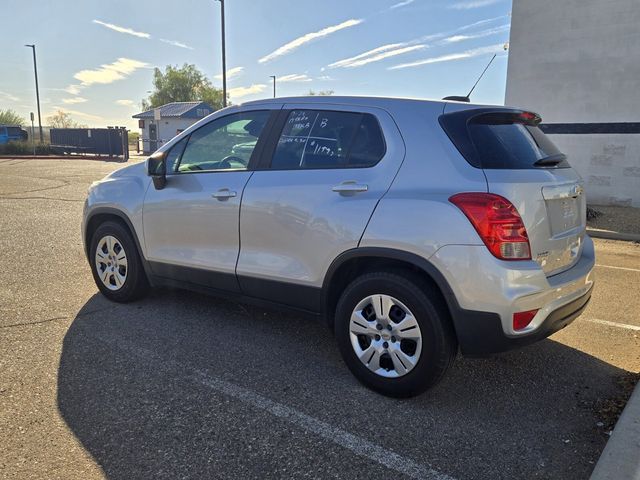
[[136, 284], [439, 345]]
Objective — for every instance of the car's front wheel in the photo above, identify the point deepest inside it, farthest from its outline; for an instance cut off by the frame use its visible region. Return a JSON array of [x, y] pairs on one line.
[[115, 263], [394, 333]]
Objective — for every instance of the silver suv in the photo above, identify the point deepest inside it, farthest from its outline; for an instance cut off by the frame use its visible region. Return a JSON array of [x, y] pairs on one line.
[[413, 228]]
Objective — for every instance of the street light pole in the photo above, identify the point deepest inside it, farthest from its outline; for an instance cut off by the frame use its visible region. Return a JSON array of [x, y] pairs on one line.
[[224, 58], [33, 135], [274, 85], [35, 70]]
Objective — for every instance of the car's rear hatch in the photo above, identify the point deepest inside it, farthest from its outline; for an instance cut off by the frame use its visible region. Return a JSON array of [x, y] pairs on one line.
[[521, 164]]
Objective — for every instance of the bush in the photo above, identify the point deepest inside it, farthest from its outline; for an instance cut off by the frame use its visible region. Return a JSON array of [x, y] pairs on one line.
[[134, 137], [24, 148]]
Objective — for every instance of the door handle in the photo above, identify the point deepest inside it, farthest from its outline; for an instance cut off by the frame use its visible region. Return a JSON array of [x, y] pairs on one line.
[[223, 194], [349, 188]]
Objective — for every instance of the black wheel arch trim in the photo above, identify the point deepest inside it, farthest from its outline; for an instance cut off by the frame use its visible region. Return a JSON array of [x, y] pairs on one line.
[[125, 218], [391, 254], [479, 333], [464, 321]]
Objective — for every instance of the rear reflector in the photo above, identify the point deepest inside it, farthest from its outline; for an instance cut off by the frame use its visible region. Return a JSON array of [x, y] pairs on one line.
[[523, 319], [497, 222]]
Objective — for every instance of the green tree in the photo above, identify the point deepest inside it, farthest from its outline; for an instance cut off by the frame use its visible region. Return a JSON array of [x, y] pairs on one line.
[[9, 117], [184, 84], [62, 119]]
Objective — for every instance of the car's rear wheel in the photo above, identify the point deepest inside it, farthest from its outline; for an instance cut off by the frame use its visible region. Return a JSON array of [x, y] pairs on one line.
[[115, 263], [394, 333]]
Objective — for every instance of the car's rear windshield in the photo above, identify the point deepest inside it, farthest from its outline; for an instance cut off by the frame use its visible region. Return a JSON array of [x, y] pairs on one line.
[[502, 140]]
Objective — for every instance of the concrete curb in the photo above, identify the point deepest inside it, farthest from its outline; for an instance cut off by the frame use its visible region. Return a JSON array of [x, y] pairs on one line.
[[608, 235], [621, 456]]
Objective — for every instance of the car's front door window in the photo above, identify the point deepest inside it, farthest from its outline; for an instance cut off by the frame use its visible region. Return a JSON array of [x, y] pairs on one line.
[[223, 144]]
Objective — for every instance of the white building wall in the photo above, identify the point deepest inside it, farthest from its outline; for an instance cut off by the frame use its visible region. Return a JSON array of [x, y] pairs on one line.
[[167, 128], [609, 164], [578, 61]]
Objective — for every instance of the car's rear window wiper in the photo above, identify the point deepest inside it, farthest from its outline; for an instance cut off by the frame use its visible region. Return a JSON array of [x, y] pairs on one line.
[[551, 160]]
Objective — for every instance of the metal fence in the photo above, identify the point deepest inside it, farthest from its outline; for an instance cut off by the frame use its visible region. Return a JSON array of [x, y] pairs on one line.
[[149, 146], [111, 141]]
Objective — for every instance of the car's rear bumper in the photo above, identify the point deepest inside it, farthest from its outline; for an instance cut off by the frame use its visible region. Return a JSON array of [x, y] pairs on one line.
[[487, 292], [481, 333]]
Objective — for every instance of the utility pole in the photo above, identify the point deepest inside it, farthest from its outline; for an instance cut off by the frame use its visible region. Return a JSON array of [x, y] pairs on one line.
[[274, 85], [35, 70], [33, 135], [224, 57]]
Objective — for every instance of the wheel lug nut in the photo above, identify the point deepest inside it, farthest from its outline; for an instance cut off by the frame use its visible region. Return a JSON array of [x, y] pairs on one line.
[[389, 327], [379, 327], [377, 337], [393, 339], [385, 344]]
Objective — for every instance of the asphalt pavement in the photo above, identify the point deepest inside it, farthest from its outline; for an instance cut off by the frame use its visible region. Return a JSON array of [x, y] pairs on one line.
[[184, 386]]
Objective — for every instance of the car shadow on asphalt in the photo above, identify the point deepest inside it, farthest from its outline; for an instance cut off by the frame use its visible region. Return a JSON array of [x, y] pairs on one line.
[[133, 388]]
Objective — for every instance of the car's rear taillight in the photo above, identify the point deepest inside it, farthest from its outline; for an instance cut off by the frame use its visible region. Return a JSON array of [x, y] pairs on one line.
[[522, 320], [497, 222]]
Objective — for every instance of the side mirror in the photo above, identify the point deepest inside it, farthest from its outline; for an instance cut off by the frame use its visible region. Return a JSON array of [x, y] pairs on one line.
[[157, 169]]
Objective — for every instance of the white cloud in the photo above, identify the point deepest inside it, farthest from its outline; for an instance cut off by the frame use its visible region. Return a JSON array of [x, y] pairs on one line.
[[472, 4], [469, 26], [71, 101], [393, 49], [175, 43], [130, 31], [367, 57], [401, 4], [295, 77], [472, 36], [73, 89], [326, 78], [298, 42], [126, 30], [109, 73], [126, 103], [87, 116], [10, 97], [239, 92], [368, 53], [481, 22], [452, 56], [232, 72]]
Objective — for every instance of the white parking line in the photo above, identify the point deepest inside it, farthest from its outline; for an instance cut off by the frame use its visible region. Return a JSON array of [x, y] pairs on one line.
[[613, 324], [355, 444], [618, 268]]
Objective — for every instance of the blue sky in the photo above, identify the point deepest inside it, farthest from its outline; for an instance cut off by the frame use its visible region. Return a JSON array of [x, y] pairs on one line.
[[96, 58]]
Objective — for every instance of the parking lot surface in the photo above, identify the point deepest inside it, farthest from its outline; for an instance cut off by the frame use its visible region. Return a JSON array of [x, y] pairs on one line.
[[184, 386]]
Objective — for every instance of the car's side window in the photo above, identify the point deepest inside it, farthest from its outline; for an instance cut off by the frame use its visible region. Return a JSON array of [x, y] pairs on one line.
[[368, 145], [328, 139], [173, 156], [223, 144]]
